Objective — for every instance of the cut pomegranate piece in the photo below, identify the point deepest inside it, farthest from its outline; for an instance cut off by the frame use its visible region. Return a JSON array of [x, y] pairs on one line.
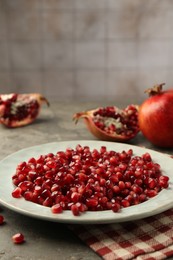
[[20, 109], [111, 123]]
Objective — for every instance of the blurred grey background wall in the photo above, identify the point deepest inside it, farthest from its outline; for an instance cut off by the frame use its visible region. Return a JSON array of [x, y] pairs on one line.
[[85, 49]]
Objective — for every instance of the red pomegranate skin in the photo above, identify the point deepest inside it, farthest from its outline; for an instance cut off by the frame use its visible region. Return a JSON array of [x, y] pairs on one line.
[[130, 130], [156, 119]]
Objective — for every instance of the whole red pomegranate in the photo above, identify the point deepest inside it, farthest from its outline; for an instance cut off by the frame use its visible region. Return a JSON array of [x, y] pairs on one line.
[[20, 109], [111, 123], [156, 116]]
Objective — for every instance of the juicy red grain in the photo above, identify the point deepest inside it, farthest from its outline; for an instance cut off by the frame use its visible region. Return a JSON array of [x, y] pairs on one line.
[[1, 219], [75, 210], [116, 207], [57, 208], [82, 179], [18, 238], [17, 192]]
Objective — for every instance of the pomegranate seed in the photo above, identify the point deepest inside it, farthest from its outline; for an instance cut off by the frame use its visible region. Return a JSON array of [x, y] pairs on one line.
[[138, 173], [1, 219], [46, 193], [18, 238], [103, 200], [139, 182], [116, 189], [121, 185], [91, 202], [114, 178], [48, 202], [163, 181], [57, 208], [129, 198], [38, 181], [21, 177], [21, 165], [75, 210], [40, 200], [128, 184], [110, 194], [150, 193], [152, 183], [115, 207], [28, 195], [109, 205], [75, 197], [142, 197], [32, 160], [164, 178], [147, 157], [103, 149], [69, 178], [32, 175], [119, 175], [125, 203], [40, 159], [25, 185], [136, 189], [17, 192], [37, 190], [82, 207]]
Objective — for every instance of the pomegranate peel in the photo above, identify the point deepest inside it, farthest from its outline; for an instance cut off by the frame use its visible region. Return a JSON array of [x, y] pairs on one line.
[[111, 123], [17, 110], [156, 117]]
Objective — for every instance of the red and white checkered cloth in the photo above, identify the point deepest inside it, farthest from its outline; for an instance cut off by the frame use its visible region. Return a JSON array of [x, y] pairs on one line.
[[147, 239]]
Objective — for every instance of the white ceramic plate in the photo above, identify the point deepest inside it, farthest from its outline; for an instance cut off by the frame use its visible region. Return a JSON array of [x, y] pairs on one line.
[[158, 204]]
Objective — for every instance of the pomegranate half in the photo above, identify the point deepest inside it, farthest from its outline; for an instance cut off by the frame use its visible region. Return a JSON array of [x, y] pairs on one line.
[[156, 116], [20, 109], [111, 123]]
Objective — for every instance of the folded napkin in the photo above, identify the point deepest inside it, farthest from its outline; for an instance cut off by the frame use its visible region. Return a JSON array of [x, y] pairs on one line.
[[150, 238]]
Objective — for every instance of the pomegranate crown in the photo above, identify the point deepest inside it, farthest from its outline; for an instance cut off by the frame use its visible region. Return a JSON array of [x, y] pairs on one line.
[[156, 89]]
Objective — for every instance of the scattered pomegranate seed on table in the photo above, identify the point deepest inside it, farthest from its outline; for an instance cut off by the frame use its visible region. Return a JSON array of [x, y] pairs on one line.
[[18, 238], [1, 220], [82, 180]]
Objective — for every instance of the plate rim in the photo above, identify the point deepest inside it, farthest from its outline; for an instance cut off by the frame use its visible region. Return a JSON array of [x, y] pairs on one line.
[[99, 217]]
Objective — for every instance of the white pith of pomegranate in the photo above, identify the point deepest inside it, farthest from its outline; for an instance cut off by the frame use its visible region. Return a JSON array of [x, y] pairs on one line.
[[82, 180], [111, 123], [20, 109]]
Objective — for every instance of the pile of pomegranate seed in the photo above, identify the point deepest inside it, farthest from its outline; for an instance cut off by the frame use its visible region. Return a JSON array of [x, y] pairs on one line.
[[113, 120], [82, 180]]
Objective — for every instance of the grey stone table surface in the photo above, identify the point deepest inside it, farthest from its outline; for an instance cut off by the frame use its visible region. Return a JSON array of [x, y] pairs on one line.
[[44, 239]]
